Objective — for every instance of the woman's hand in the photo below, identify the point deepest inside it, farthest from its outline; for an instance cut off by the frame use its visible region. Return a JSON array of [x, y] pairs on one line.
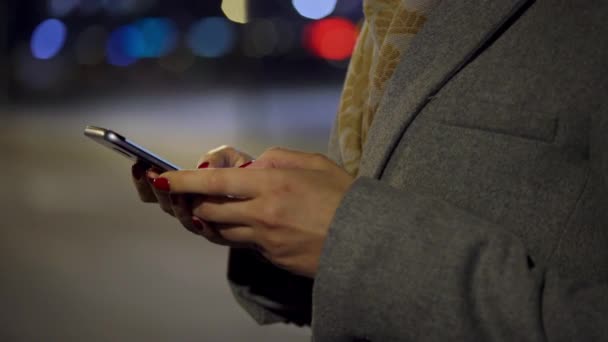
[[180, 206], [283, 204]]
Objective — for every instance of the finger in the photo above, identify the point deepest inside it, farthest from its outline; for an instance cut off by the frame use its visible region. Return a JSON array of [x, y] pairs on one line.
[[144, 190], [182, 208], [225, 211], [278, 157], [211, 234], [162, 197], [223, 156], [236, 182], [211, 231], [237, 235], [226, 234]]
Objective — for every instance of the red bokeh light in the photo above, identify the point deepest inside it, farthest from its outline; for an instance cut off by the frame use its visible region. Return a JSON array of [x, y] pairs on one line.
[[332, 38]]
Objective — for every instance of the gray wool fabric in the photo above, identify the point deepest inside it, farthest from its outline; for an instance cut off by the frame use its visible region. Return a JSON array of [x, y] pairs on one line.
[[481, 210]]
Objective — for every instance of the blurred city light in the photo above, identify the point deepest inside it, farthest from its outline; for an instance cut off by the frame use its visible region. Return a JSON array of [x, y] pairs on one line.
[[152, 37], [119, 44], [236, 10], [287, 35], [333, 38], [48, 39], [61, 8], [211, 37], [261, 38], [90, 45], [314, 9]]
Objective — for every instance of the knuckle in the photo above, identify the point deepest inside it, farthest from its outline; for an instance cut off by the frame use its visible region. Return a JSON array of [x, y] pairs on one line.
[[282, 186], [273, 245], [272, 214], [272, 151], [221, 150], [215, 181], [318, 159]]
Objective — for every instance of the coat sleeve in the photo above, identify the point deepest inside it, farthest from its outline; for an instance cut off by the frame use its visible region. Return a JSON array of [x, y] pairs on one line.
[[268, 293], [401, 266]]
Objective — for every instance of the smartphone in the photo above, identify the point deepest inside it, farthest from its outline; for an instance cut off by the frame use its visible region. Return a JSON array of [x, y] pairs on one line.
[[123, 146]]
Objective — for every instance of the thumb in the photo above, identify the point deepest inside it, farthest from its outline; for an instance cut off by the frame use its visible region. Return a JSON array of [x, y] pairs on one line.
[[222, 157]]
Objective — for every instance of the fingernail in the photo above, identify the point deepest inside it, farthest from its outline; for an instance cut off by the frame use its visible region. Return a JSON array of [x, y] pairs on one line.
[[197, 223], [162, 183], [246, 164], [149, 173], [204, 165]]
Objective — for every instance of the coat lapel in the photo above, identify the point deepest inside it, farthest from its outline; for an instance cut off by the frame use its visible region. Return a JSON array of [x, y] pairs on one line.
[[454, 33]]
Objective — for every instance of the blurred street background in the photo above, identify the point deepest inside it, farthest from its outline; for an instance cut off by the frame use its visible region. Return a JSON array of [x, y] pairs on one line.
[[80, 258]]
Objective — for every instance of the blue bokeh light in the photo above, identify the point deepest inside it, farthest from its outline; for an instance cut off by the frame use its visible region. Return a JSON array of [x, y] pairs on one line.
[[314, 9], [212, 37], [48, 39], [119, 45], [156, 37]]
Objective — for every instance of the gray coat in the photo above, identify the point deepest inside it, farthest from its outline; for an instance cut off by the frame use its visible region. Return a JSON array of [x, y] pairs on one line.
[[481, 211]]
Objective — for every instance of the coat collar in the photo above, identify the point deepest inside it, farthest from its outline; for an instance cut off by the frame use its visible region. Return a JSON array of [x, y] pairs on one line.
[[455, 32]]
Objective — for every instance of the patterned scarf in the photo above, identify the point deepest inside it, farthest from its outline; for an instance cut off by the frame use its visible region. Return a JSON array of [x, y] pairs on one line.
[[387, 31]]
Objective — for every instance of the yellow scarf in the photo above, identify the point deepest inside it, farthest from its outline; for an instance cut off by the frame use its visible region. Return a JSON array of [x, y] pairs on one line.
[[387, 31]]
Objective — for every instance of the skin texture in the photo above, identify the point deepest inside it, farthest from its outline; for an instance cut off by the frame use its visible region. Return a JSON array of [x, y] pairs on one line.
[[281, 205]]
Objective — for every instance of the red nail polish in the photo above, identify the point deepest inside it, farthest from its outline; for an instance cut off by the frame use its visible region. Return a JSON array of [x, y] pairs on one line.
[[246, 164], [197, 223], [204, 165], [162, 184]]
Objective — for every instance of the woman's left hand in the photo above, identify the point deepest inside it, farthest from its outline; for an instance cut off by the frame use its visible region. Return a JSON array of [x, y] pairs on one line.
[[283, 204]]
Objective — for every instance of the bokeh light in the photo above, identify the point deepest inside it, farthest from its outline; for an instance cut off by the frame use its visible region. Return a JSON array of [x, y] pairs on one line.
[[236, 10], [153, 37], [314, 9], [287, 36], [48, 39], [333, 38], [61, 8], [119, 44], [261, 38], [90, 45], [211, 37]]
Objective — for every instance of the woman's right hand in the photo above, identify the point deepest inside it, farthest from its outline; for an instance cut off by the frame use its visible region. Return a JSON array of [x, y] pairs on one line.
[[180, 206]]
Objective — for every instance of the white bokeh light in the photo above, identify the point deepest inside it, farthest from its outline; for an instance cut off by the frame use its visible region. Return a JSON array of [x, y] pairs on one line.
[[315, 9]]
